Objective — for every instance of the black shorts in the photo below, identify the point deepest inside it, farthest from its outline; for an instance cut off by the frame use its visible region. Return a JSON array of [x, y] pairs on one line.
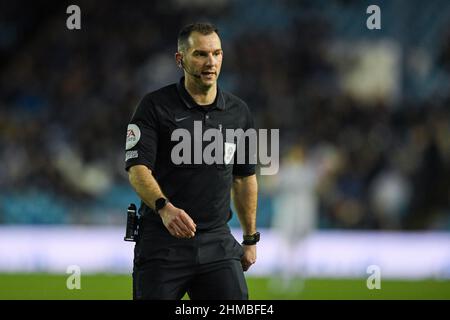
[[206, 267]]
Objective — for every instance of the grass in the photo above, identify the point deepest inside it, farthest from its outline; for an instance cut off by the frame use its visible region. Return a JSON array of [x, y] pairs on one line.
[[118, 287]]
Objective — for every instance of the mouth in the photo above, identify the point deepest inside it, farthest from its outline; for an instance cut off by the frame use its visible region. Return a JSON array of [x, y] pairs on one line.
[[208, 73]]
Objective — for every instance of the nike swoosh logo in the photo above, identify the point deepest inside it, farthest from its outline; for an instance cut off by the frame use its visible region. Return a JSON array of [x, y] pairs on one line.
[[181, 119]]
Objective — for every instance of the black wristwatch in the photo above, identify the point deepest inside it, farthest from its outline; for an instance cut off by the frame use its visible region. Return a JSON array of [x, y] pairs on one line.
[[252, 239], [160, 203]]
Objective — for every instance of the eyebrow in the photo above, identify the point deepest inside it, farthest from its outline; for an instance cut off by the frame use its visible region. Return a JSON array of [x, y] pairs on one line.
[[206, 51]]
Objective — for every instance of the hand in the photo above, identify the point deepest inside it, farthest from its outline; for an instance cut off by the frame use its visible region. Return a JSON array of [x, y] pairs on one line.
[[177, 221], [249, 256]]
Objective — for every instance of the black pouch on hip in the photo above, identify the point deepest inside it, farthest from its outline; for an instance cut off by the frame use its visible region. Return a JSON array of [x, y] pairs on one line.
[[132, 229]]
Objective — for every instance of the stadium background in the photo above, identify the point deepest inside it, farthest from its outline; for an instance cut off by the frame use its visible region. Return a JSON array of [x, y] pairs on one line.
[[370, 106]]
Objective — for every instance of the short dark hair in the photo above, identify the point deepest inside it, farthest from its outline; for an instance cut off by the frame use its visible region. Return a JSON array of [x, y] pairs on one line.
[[204, 28]]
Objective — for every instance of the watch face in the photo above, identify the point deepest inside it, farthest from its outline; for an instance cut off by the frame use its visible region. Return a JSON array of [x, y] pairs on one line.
[[254, 237], [160, 203]]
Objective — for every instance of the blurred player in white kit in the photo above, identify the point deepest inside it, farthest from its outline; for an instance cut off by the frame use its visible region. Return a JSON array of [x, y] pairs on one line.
[[296, 208]]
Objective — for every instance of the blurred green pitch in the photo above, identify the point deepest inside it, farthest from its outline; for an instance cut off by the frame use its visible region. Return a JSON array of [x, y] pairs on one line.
[[105, 287]]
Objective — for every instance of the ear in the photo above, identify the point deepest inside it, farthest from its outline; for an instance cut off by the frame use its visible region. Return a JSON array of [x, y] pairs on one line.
[[178, 58]]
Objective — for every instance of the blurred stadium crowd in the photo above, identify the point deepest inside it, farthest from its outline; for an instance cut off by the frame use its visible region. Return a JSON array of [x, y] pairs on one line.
[[379, 130]]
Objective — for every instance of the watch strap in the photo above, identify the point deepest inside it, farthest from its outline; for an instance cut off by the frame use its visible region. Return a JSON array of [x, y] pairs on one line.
[[251, 239]]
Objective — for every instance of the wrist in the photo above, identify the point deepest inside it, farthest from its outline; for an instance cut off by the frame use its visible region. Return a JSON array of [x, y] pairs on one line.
[[169, 206], [251, 239], [161, 204]]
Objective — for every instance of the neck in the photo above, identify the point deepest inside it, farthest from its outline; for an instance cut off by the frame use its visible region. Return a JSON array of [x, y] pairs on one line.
[[202, 95]]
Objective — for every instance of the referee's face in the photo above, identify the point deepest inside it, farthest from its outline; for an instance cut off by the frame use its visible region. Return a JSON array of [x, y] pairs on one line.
[[204, 58]]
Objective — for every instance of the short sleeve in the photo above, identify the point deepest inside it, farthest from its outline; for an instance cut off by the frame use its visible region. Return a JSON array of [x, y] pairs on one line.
[[249, 167], [142, 136]]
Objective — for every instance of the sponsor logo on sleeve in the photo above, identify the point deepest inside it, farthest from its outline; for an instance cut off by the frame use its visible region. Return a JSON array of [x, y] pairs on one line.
[[133, 136], [131, 155]]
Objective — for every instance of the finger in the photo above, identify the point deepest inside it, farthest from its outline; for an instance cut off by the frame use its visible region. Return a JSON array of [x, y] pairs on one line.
[[186, 232], [245, 264], [178, 232], [188, 222], [175, 230]]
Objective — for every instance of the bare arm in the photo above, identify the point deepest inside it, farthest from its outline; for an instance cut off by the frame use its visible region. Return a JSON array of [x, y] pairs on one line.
[[176, 220], [245, 195], [145, 185]]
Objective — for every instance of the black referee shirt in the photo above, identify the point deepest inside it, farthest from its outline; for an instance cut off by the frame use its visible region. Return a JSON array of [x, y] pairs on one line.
[[202, 190]]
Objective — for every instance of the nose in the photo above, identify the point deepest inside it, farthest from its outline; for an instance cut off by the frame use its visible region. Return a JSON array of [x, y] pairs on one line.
[[212, 60]]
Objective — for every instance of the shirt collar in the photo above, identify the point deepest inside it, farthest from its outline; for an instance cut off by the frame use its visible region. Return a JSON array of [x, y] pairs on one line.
[[190, 102]]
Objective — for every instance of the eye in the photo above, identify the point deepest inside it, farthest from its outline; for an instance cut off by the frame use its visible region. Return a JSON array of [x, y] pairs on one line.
[[200, 53]]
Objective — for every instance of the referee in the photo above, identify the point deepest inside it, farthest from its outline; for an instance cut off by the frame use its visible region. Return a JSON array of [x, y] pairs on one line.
[[185, 243]]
